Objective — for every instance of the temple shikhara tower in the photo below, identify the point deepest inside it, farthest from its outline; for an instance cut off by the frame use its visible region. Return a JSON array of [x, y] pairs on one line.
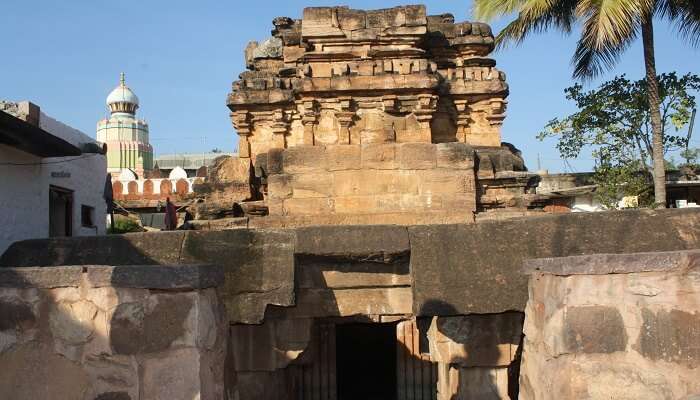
[[383, 116], [125, 135]]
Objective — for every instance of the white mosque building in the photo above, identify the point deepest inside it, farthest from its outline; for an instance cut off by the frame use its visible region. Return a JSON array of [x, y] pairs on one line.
[[130, 155], [126, 136]]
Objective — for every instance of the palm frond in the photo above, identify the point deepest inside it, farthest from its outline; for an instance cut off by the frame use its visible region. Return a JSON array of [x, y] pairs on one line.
[[590, 62], [538, 16], [609, 22], [488, 10], [685, 15], [609, 28]]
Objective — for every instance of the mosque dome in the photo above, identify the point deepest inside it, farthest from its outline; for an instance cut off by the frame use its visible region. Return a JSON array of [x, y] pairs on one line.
[[122, 99], [178, 173], [126, 175]]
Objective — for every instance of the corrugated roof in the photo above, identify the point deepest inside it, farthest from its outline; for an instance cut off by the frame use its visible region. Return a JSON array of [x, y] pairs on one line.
[[189, 160]]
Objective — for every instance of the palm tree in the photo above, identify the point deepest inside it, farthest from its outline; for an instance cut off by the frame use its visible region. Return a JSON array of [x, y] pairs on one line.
[[608, 29]]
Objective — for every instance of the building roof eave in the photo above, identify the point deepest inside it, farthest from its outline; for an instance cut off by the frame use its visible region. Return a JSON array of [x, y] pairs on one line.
[[29, 138]]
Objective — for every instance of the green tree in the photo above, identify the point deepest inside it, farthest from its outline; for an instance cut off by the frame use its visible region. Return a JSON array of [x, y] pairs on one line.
[[691, 156], [614, 123], [608, 29]]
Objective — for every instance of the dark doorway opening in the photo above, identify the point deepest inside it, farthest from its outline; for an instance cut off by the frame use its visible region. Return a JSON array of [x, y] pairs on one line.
[[60, 212], [366, 361]]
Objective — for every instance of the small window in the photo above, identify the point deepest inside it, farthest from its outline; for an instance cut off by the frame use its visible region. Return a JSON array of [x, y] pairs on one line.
[[87, 214]]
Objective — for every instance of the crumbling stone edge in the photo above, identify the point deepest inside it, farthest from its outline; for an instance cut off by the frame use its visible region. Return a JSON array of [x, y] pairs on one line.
[[603, 264], [162, 277]]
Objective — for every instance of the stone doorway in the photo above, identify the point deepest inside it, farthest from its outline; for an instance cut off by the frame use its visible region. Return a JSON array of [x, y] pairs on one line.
[[366, 361], [60, 212]]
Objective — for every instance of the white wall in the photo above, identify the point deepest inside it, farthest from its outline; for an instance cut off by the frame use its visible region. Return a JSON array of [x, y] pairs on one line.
[[24, 190], [23, 211], [586, 203], [87, 180]]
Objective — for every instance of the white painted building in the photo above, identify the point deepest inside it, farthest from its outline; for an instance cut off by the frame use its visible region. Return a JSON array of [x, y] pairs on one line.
[[52, 177]]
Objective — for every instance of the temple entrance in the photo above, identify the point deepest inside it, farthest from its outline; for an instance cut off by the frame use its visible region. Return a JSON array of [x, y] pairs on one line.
[[366, 361]]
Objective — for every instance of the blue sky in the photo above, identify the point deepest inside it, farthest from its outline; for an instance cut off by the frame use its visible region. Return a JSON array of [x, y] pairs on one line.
[[180, 58]]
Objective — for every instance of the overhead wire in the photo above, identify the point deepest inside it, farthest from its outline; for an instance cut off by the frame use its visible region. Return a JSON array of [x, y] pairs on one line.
[[11, 164]]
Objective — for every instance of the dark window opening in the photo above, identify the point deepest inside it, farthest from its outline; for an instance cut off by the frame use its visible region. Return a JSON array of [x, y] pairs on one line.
[[366, 361], [87, 216], [60, 212]]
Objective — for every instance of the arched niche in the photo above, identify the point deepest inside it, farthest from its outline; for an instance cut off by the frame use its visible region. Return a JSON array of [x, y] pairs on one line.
[[182, 187], [166, 187]]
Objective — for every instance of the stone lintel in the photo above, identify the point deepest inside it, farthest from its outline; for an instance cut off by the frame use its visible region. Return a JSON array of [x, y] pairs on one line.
[[379, 243], [602, 264], [164, 277], [41, 277]]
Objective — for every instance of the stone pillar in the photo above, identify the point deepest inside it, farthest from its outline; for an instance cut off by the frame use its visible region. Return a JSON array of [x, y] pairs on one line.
[[462, 119], [308, 120], [427, 104], [497, 113], [241, 123], [280, 129], [613, 326], [345, 118], [474, 354]]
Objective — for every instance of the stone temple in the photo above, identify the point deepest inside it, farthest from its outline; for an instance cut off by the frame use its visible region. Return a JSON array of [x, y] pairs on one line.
[[385, 116], [360, 269]]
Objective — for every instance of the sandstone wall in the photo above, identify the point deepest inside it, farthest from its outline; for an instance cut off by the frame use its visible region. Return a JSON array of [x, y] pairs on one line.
[[455, 269], [344, 76], [258, 264], [613, 327], [477, 268], [100, 332], [383, 179], [375, 93], [455, 292]]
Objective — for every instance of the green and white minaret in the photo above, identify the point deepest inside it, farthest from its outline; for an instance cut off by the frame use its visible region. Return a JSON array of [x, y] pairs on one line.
[[125, 135]]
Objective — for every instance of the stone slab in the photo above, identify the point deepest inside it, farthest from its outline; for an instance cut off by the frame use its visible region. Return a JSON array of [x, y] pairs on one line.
[[313, 272], [268, 346], [602, 264], [174, 277], [365, 243], [462, 269], [39, 277], [456, 216], [258, 264], [320, 303], [164, 277], [489, 340], [36, 372], [128, 249]]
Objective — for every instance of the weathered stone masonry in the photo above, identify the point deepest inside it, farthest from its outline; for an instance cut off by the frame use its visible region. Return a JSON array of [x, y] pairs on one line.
[[454, 294], [112, 333], [390, 113], [613, 327]]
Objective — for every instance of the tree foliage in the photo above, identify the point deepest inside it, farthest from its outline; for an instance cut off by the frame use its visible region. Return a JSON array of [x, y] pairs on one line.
[[608, 26], [614, 123]]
